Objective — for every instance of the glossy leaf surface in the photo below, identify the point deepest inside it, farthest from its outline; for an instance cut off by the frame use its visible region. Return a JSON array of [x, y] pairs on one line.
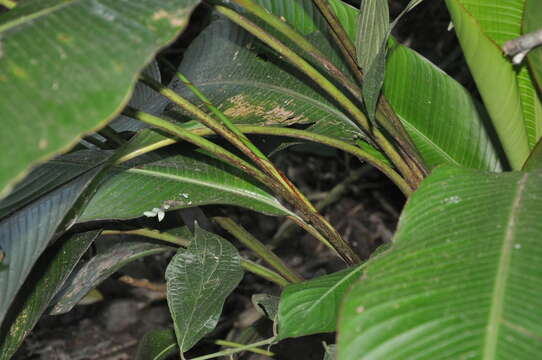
[[314, 303], [199, 279], [438, 113], [79, 76], [480, 27], [254, 87], [444, 121], [462, 278], [44, 281], [179, 180]]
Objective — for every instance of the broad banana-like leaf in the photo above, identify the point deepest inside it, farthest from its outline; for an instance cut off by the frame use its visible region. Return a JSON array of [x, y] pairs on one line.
[[481, 27], [25, 233], [48, 275], [67, 67], [445, 123], [168, 180], [199, 279], [462, 278]]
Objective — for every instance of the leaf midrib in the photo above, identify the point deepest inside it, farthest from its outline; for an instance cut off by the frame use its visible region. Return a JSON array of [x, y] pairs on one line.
[[501, 276], [24, 19], [245, 193]]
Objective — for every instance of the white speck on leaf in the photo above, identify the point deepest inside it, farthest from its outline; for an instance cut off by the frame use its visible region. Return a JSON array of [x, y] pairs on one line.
[[149, 213], [452, 200], [517, 246], [161, 215]]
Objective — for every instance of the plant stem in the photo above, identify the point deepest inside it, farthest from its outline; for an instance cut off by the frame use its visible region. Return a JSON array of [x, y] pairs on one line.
[[388, 118], [260, 249], [153, 234], [287, 229], [299, 134], [199, 141], [110, 134], [10, 4], [300, 41], [328, 87], [237, 345], [236, 350], [264, 272], [275, 180]]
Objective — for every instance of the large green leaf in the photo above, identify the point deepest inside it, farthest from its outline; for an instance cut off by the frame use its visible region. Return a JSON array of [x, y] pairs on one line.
[[176, 180], [314, 303], [502, 21], [110, 258], [254, 87], [442, 118], [480, 26], [25, 233], [462, 279], [66, 68], [44, 281], [439, 114], [199, 279]]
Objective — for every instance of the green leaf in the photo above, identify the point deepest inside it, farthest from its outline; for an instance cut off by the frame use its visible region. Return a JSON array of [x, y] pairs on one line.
[[266, 304], [314, 303], [443, 120], [459, 137], [371, 37], [501, 21], [81, 73], [532, 21], [26, 233], [462, 278], [49, 176], [252, 86], [535, 158], [113, 256], [178, 180], [481, 26], [157, 345], [44, 281], [199, 279]]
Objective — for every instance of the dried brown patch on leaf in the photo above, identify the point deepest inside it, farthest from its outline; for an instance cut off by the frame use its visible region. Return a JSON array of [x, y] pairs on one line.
[[280, 115], [242, 108], [176, 18], [276, 115]]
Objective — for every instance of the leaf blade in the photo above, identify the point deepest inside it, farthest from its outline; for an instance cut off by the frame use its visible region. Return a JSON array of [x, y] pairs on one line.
[[75, 81], [198, 281], [453, 283]]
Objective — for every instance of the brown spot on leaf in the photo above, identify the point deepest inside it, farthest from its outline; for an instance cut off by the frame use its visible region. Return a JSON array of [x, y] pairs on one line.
[[176, 18], [43, 143], [242, 108]]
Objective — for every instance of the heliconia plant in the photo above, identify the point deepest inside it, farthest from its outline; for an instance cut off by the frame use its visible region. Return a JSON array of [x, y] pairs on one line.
[[92, 134]]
